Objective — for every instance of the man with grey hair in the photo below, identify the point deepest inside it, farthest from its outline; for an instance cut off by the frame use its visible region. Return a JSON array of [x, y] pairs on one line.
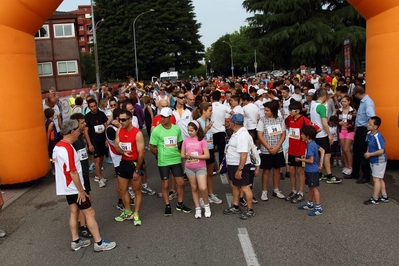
[[69, 182]]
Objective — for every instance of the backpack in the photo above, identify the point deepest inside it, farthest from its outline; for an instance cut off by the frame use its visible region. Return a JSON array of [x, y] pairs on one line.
[[254, 154]]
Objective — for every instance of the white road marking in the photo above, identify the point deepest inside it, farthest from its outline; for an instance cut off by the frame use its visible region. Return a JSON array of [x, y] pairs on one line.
[[229, 200], [224, 179], [247, 248]]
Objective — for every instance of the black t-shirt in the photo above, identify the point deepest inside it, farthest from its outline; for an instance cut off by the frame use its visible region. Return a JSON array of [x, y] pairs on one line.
[[93, 121], [80, 147]]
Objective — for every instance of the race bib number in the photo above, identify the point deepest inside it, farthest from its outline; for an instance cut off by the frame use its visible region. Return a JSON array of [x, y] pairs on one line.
[[294, 133], [170, 142], [125, 146], [209, 138], [274, 130], [98, 128], [192, 161], [82, 153]]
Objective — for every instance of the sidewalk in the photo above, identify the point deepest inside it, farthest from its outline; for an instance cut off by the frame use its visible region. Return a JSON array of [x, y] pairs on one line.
[[11, 195]]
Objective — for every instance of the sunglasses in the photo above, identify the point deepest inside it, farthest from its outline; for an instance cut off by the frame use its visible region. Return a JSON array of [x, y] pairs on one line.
[[123, 119], [113, 105], [180, 97]]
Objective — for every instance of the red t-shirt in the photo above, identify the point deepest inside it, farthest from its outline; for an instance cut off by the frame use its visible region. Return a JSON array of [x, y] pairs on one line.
[[297, 146], [157, 120], [328, 79], [127, 141]]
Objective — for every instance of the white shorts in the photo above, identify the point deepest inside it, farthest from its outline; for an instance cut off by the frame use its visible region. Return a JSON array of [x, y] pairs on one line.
[[378, 169], [116, 158]]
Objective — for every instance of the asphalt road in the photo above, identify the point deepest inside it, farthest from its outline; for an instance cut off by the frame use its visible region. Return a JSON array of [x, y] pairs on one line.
[[348, 232]]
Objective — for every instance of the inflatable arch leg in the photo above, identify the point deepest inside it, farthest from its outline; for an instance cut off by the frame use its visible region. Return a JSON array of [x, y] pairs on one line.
[[23, 146], [382, 57]]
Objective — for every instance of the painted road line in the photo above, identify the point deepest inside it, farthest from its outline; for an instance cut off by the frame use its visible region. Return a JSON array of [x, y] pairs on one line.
[[224, 179], [247, 247], [229, 200]]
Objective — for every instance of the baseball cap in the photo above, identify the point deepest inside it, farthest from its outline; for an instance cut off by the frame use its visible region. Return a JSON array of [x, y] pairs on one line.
[[311, 92], [238, 119], [260, 92], [166, 112], [313, 72], [330, 92]]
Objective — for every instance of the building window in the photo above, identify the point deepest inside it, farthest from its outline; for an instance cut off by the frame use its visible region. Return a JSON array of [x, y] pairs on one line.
[[82, 39], [67, 67], [81, 28], [42, 33], [45, 69], [64, 30], [83, 50], [91, 39]]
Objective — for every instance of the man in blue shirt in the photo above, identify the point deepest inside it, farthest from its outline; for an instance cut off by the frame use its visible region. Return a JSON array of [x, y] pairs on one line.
[[365, 111]]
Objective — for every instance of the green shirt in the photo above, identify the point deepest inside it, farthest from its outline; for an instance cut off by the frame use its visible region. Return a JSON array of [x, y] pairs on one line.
[[166, 140]]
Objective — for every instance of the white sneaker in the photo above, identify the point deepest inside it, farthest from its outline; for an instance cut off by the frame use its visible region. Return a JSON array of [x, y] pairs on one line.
[[348, 171], [101, 183], [202, 204], [340, 164], [207, 213], [96, 179], [2, 233], [197, 213], [278, 194], [334, 163], [344, 170], [264, 196], [104, 246], [214, 199], [131, 193]]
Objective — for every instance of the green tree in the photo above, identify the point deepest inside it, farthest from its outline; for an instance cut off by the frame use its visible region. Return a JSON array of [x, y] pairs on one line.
[[88, 68], [309, 32], [166, 38]]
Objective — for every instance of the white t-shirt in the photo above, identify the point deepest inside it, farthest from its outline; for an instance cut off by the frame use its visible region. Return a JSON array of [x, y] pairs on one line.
[[66, 160], [315, 82], [251, 112], [239, 142], [297, 97], [238, 110], [219, 111], [286, 104]]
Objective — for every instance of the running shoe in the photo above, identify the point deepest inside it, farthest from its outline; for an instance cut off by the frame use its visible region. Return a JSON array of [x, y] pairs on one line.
[[214, 199], [183, 208], [297, 199], [168, 211], [243, 202], [109, 160], [316, 212], [2, 233], [84, 232], [254, 200], [232, 210], [201, 202], [131, 193], [124, 217], [207, 213], [120, 207], [334, 163], [321, 176], [105, 245], [371, 201], [97, 179], [131, 202], [264, 196], [147, 190], [92, 167], [291, 196], [172, 195], [340, 164], [278, 194], [101, 183], [81, 244], [197, 214], [384, 199], [136, 219], [305, 207], [247, 215], [333, 180]]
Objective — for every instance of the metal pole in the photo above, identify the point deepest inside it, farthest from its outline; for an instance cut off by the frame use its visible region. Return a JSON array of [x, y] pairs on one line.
[[256, 64], [95, 46], [231, 55], [134, 42]]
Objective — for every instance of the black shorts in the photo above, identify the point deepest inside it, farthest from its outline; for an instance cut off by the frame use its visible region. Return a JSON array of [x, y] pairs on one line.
[[99, 148], [324, 143], [268, 161], [245, 181], [126, 169], [72, 199], [336, 149], [86, 183], [177, 171], [292, 162], [254, 134], [211, 159], [312, 179]]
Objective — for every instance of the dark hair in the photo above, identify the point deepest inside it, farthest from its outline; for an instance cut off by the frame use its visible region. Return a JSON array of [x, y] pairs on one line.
[[295, 105], [377, 121], [116, 112], [112, 100], [343, 89], [252, 89], [297, 87], [235, 98], [77, 116], [309, 131], [273, 106], [216, 95], [359, 89], [246, 97], [200, 131], [285, 88], [78, 101], [127, 113], [348, 98], [91, 101], [48, 112], [197, 112]]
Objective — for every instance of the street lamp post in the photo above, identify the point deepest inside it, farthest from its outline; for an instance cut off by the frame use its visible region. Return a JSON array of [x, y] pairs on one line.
[[231, 55], [95, 44], [134, 41]]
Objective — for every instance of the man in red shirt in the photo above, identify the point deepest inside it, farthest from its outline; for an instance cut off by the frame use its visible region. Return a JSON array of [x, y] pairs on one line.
[[296, 149], [129, 142], [157, 119]]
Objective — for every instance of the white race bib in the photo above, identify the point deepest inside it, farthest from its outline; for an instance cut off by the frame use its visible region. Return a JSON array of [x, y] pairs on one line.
[[274, 130], [98, 128], [82, 153], [125, 146], [191, 161], [170, 142], [209, 138], [294, 133]]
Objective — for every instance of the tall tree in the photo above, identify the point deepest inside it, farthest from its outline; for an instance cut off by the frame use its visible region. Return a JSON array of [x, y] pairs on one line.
[[166, 38], [307, 32]]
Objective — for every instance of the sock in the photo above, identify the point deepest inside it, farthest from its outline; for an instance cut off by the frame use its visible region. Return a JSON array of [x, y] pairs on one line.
[[210, 195], [168, 206], [100, 243], [207, 205], [318, 206], [275, 190], [180, 203], [384, 195], [120, 201], [77, 241], [375, 197], [329, 176], [235, 206], [309, 203], [294, 191], [198, 208], [144, 185], [264, 191]]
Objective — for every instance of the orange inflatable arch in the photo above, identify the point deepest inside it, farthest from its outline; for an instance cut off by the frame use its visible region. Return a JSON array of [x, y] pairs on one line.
[[23, 146]]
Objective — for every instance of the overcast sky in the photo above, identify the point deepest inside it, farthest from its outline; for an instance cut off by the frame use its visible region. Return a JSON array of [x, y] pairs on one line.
[[217, 17]]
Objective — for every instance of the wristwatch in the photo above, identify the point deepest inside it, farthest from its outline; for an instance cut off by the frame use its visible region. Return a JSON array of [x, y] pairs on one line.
[[239, 169]]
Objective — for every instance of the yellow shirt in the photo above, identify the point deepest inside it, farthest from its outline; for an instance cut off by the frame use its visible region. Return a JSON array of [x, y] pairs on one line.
[[334, 83]]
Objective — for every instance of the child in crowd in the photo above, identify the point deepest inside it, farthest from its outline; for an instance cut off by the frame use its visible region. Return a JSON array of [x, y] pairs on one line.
[[195, 152], [314, 163], [52, 134], [335, 148], [378, 160]]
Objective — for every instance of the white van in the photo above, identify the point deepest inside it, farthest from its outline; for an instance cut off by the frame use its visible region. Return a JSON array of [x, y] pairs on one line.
[[173, 76]]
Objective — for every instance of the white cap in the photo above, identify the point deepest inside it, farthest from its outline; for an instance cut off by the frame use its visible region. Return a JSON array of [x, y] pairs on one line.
[[313, 72], [260, 92], [330, 92], [166, 112], [311, 92]]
